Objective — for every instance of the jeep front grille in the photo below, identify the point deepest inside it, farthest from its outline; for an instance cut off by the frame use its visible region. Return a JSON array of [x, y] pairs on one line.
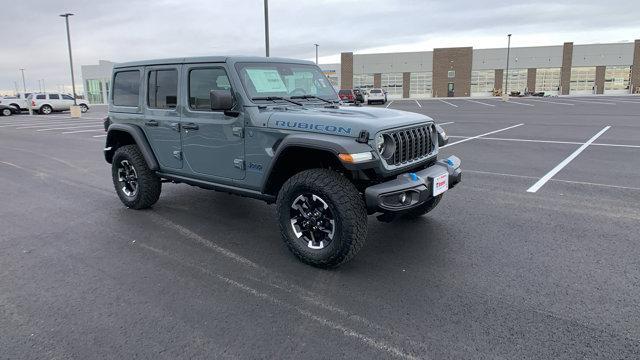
[[411, 144]]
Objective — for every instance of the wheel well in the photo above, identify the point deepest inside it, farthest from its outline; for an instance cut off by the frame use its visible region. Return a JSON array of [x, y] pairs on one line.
[[295, 159], [116, 139]]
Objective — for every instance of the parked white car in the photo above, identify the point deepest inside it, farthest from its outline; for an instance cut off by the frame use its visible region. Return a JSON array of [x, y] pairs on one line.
[[46, 103], [19, 101], [376, 95]]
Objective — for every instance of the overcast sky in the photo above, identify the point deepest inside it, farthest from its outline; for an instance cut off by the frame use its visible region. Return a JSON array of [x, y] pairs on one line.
[[122, 30]]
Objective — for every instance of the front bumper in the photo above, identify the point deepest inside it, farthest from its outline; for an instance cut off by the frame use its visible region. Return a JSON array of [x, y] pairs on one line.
[[418, 187]]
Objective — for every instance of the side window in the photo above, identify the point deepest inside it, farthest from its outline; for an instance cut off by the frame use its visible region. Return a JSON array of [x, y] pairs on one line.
[[66, 97], [201, 81], [163, 89], [41, 97], [54, 97], [126, 88]]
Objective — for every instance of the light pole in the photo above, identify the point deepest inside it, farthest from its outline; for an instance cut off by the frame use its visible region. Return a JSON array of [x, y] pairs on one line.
[[506, 81], [73, 81], [266, 26], [24, 84], [316, 53]]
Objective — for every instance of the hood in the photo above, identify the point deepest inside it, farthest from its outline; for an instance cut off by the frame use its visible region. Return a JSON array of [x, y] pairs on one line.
[[345, 120]]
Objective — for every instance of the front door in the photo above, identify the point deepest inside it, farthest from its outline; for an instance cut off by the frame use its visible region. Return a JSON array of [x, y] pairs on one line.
[[212, 142], [162, 119], [450, 90]]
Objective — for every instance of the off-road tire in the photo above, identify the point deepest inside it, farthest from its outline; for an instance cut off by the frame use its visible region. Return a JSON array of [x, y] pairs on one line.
[[346, 205], [149, 185], [423, 208]]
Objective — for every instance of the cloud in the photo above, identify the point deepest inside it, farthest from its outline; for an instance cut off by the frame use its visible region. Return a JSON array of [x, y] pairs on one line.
[[120, 30]]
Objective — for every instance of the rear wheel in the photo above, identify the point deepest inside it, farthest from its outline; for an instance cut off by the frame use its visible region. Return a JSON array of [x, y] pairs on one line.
[[46, 110], [323, 219], [424, 208], [138, 187], [6, 112]]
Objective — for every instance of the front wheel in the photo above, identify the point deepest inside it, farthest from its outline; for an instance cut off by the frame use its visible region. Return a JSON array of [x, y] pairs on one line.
[[137, 186], [84, 108], [322, 216], [424, 208]]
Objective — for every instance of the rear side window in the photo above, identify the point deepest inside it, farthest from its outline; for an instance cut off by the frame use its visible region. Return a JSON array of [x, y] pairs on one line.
[[54, 96], [41, 97], [376, 91], [126, 88], [163, 89], [344, 92], [201, 82]]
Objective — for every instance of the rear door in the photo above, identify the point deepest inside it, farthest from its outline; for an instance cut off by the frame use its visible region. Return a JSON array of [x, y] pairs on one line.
[[161, 116], [55, 102], [213, 142]]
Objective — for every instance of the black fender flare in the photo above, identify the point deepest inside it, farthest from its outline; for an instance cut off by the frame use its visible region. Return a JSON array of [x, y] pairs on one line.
[[333, 144], [138, 136]]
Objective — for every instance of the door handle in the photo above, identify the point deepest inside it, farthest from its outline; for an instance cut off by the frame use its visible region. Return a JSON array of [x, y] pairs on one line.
[[190, 126], [151, 123]]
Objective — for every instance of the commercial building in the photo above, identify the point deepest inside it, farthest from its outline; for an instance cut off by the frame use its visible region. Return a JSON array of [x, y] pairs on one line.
[[561, 69], [97, 81]]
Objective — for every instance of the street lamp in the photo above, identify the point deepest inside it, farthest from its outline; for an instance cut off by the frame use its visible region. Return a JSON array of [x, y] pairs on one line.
[[266, 26], [316, 53], [73, 81], [506, 81], [24, 84]]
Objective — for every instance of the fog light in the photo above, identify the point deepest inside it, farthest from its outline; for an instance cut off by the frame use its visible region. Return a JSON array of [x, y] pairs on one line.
[[402, 198]]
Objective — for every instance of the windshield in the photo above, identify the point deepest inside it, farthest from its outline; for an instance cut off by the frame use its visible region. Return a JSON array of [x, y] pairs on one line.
[[263, 80]]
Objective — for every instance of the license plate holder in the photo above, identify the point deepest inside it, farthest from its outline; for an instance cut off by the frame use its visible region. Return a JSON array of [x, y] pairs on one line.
[[440, 184]]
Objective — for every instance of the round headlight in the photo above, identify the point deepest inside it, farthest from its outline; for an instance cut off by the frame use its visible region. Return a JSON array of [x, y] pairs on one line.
[[380, 143], [385, 145]]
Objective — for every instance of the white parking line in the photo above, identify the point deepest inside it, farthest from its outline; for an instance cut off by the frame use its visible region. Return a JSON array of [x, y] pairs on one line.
[[446, 123], [99, 136], [82, 131], [535, 187], [479, 102], [391, 102], [477, 136], [519, 103], [56, 124], [27, 123], [548, 141], [555, 180], [417, 103], [448, 103], [592, 102], [625, 101], [72, 127], [552, 102]]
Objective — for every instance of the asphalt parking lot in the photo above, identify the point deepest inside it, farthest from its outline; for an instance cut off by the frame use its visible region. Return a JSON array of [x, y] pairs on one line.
[[535, 255]]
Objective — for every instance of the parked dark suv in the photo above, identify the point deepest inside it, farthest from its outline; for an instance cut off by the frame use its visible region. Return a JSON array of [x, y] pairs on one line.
[[273, 129]]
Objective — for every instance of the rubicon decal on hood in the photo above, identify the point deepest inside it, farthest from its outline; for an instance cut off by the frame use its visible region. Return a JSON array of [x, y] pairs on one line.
[[310, 126]]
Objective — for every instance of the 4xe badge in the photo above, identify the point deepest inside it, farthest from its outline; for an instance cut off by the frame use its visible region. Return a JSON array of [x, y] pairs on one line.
[[440, 184]]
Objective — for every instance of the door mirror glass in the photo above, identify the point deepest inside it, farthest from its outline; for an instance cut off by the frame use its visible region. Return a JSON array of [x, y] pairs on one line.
[[221, 100]]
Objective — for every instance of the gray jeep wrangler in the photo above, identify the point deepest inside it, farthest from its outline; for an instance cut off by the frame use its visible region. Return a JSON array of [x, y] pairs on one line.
[[275, 130]]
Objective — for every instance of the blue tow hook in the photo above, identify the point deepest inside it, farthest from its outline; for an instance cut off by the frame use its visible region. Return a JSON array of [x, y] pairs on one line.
[[414, 176]]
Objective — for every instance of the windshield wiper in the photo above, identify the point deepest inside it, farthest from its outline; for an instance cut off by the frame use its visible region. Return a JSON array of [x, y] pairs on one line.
[[312, 97], [274, 98]]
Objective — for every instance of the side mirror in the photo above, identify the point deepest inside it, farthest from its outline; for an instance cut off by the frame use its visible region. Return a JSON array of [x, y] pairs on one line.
[[221, 100], [443, 138]]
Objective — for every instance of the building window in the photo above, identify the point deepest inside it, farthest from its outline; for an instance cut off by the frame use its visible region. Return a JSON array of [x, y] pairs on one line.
[[126, 88], [517, 80], [420, 84], [617, 77], [482, 82], [162, 91], [583, 79], [362, 81], [548, 80], [451, 74], [94, 92], [392, 84]]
